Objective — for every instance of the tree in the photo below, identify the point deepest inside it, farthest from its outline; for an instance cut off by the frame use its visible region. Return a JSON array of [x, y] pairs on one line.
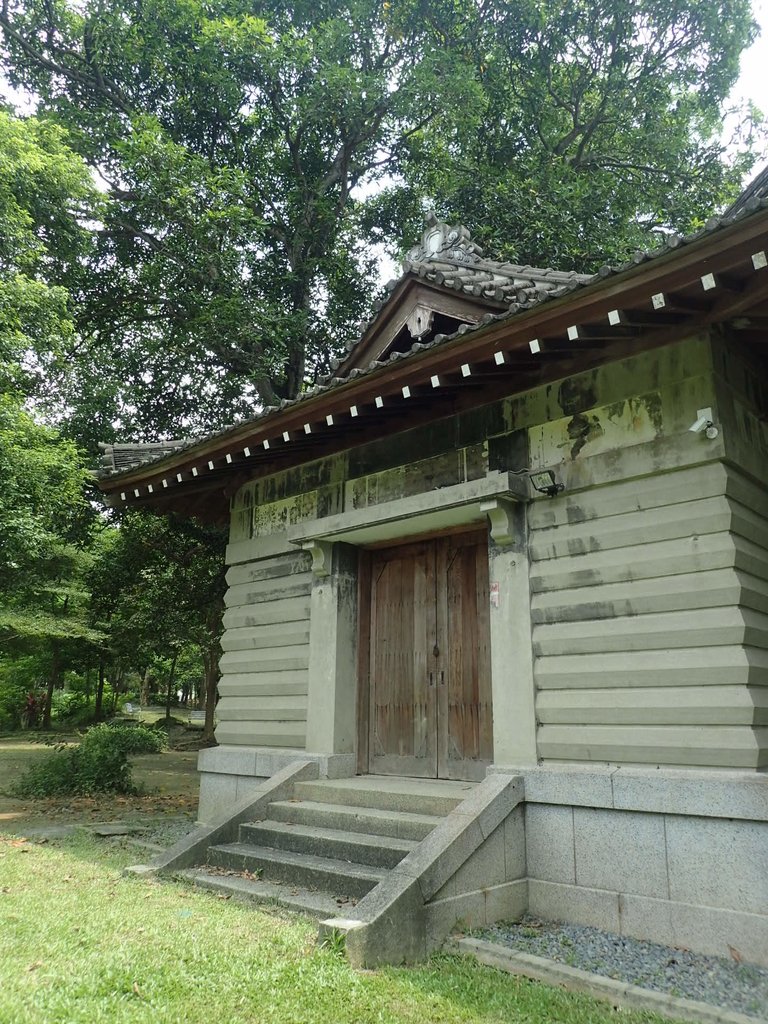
[[232, 136], [45, 523], [45, 192], [158, 590], [602, 125]]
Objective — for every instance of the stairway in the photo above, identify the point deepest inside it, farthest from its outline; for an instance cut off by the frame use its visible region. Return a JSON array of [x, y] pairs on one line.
[[326, 848]]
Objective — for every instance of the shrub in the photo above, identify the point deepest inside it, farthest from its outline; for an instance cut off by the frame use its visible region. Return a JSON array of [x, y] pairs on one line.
[[98, 764]]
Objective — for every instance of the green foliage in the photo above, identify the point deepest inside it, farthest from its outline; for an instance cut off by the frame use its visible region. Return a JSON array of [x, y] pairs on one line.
[[602, 124], [44, 191], [18, 678], [242, 145], [98, 764]]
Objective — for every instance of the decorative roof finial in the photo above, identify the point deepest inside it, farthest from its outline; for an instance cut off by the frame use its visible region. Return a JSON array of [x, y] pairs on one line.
[[444, 242]]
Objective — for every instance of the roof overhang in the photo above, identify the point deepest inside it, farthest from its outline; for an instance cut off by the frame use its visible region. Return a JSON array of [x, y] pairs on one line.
[[718, 277], [403, 308]]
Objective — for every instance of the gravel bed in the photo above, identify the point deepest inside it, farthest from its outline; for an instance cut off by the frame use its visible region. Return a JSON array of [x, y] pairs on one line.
[[725, 983], [166, 833]]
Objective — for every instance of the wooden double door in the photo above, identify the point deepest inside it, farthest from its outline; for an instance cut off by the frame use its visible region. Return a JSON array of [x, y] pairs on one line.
[[429, 709]]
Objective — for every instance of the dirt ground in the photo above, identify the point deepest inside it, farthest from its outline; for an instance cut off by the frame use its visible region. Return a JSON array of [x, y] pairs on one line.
[[169, 779]]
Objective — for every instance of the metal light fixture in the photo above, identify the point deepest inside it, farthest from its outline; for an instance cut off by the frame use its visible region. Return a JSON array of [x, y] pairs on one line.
[[544, 482]]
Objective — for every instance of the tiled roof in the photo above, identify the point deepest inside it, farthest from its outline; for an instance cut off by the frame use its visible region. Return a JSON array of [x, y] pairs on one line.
[[448, 258], [530, 294], [756, 189], [118, 458]]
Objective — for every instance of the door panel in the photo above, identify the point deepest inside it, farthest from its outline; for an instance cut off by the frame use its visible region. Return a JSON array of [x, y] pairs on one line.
[[430, 711], [465, 742], [402, 704]]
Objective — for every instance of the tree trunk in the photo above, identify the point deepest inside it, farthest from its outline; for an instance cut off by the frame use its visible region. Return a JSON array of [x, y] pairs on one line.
[[53, 680], [98, 710], [144, 689], [169, 692], [211, 662], [118, 683]]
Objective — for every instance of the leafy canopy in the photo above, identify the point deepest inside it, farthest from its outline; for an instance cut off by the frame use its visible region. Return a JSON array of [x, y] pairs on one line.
[[241, 146]]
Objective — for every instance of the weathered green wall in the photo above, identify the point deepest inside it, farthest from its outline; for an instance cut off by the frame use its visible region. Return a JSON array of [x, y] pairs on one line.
[[648, 574]]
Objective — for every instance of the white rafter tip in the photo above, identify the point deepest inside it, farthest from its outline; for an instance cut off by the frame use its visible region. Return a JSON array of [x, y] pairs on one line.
[[379, 401], [210, 464], [466, 370], [534, 345], [614, 317], [499, 358], [708, 282], [266, 444], [329, 420], [573, 333], [286, 436], [178, 477], [406, 392], [150, 489], [353, 410], [435, 381], [136, 492], [658, 301], [307, 428], [759, 260], [122, 496], [228, 457], [165, 482], [194, 471], [247, 452]]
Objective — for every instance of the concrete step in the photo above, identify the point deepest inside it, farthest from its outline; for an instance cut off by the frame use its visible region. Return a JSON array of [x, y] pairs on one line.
[[387, 793], [304, 901], [380, 851], [306, 870], [369, 820]]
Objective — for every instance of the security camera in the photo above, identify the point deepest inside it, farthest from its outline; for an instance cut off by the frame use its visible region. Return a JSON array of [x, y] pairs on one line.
[[703, 421]]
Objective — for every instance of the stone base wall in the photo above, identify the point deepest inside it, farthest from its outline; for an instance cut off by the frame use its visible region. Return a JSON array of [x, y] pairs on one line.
[[676, 857], [230, 773]]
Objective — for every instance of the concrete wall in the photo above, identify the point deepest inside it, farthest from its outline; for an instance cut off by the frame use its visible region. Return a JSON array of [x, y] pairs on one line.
[[648, 575], [649, 603], [264, 667], [677, 857]]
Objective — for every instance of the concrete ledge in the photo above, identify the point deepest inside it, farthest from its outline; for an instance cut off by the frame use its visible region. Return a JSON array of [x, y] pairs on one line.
[[192, 848], [704, 793], [266, 761], [390, 924], [618, 993]]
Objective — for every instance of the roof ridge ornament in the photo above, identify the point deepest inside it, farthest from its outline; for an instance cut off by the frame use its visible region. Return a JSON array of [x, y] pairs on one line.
[[447, 241]]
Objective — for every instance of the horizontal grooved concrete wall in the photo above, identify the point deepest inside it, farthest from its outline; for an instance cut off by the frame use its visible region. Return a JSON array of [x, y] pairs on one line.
[[263, 688], [650, 621]]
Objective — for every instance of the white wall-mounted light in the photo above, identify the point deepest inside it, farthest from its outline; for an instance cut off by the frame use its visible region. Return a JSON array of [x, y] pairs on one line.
[[704, 422]]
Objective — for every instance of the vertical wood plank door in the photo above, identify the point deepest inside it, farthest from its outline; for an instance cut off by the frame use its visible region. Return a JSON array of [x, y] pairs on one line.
[[403, 708], [430, 712], [465, 711]]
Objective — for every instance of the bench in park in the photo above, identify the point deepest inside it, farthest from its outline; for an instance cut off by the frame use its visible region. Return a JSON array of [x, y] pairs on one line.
[[196, 718], [132, 710]]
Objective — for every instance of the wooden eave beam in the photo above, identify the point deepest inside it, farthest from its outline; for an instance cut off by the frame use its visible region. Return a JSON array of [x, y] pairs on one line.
[[673, 272]]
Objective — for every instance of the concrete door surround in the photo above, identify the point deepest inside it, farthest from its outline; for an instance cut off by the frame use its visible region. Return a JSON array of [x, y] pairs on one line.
[[334, 632]]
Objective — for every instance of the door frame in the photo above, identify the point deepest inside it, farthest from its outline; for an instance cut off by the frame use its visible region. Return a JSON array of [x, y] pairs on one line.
[[365, 605]]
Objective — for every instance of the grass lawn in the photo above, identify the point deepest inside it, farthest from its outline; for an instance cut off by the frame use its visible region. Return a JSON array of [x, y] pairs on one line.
[[81, 943]]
